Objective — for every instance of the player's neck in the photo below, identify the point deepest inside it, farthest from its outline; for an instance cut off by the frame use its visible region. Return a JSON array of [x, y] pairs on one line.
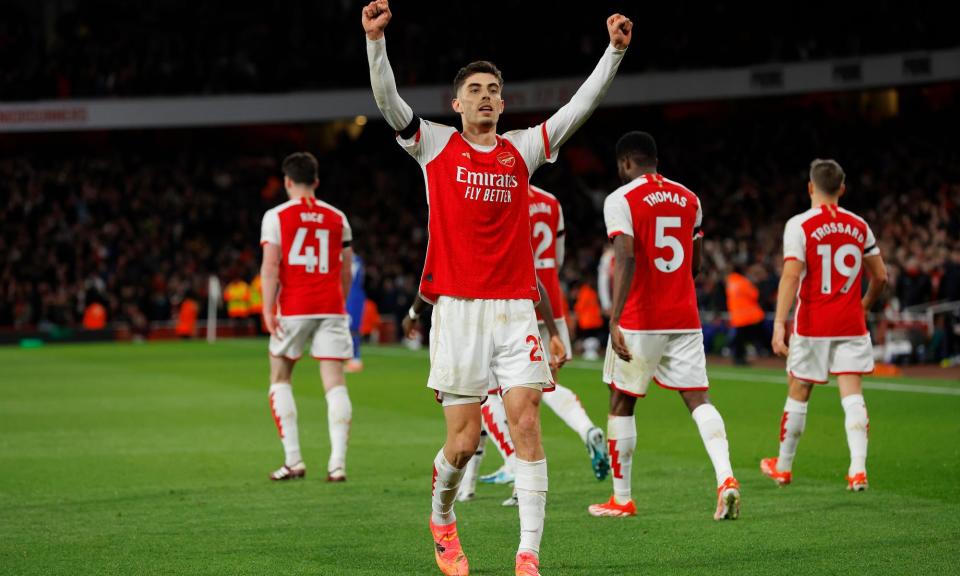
[[480, 135], [638, 172], [818, 200], [301, 194]]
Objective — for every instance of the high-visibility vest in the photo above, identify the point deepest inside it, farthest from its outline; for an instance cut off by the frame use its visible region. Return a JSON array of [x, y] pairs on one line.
[[742, 298], [587, 308], [187, 317], [237, 295], [256, 296], [95, 317]]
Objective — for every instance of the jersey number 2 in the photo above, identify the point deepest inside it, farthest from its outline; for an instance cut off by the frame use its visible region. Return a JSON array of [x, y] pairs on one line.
[[535, 355], [306, 256], [542, 230]]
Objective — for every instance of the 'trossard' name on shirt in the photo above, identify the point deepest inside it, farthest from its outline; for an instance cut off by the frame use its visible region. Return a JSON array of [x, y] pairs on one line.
[[486, 186], [837, 228]]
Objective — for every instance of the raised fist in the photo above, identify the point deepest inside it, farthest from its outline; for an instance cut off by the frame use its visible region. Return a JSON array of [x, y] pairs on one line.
[[375, 17], [620, 29]]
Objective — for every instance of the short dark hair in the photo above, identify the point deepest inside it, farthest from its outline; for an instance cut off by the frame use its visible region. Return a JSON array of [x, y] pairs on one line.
[[480, 66], [827, 175], [301, 167], [638, 146]]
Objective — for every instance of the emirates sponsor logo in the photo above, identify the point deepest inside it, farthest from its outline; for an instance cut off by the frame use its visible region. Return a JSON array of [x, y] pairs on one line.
[[507, 159], [465, 176]]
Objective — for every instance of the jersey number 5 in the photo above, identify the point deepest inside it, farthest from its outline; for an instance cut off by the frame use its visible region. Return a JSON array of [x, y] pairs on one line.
[[306, 256], [662, 240], [838, 261]]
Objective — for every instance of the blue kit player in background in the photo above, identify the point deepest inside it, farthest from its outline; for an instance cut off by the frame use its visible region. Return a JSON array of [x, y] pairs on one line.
[[355, 305]]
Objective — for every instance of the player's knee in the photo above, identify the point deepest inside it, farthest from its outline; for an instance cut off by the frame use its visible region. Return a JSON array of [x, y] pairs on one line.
[[464, 446], [527, 425], [621, 404], [694, 398]]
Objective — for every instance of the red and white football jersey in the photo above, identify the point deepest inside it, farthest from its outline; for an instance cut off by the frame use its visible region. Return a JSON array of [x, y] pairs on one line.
[[479, 244], [546, 223], [831, 242], [311, 235], [663, 217]]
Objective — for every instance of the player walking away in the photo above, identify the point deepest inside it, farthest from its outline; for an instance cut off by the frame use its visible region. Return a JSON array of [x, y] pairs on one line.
[[654, 224], [306, 276], [824, 252], [549, 239], [479, 270]]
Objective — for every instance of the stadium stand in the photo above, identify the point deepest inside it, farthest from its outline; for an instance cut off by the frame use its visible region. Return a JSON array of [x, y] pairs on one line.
[[139, 220], [111, 48]]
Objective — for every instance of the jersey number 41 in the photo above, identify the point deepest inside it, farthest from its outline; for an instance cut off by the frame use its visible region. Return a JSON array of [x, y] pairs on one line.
[[306, 256]]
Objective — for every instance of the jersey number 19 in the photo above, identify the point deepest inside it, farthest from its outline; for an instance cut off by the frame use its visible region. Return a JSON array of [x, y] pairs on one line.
[[838, 261]]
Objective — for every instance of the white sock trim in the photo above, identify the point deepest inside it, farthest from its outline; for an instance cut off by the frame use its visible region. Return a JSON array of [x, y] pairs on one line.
[[704, 413], [795, 406], [852, 400], [621, 427], [531, 476]]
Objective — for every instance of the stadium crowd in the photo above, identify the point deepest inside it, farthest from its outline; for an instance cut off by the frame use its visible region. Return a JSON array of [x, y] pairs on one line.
[[141, 227], [101, 48]]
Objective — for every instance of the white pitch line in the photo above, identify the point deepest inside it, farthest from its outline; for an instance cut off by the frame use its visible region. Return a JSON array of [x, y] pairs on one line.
[[868, 384]]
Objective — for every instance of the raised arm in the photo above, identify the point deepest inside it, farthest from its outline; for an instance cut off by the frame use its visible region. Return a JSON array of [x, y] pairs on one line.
[[559, 127], [396, 112]]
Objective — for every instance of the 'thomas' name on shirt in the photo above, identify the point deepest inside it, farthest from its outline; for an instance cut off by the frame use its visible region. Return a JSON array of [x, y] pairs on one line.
[[663, 217]]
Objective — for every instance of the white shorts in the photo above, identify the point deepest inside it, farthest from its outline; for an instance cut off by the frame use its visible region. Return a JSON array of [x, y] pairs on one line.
[[545, 338], [814, 359], [673, 361], [329, 338], [476, 341]]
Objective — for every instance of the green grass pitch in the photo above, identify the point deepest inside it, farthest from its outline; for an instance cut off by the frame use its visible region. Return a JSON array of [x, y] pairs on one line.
[[153, 459]]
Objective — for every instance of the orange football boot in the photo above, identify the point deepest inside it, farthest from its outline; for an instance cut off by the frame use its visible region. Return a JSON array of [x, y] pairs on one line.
[[728, 500], [450, 557], [611, 508]]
